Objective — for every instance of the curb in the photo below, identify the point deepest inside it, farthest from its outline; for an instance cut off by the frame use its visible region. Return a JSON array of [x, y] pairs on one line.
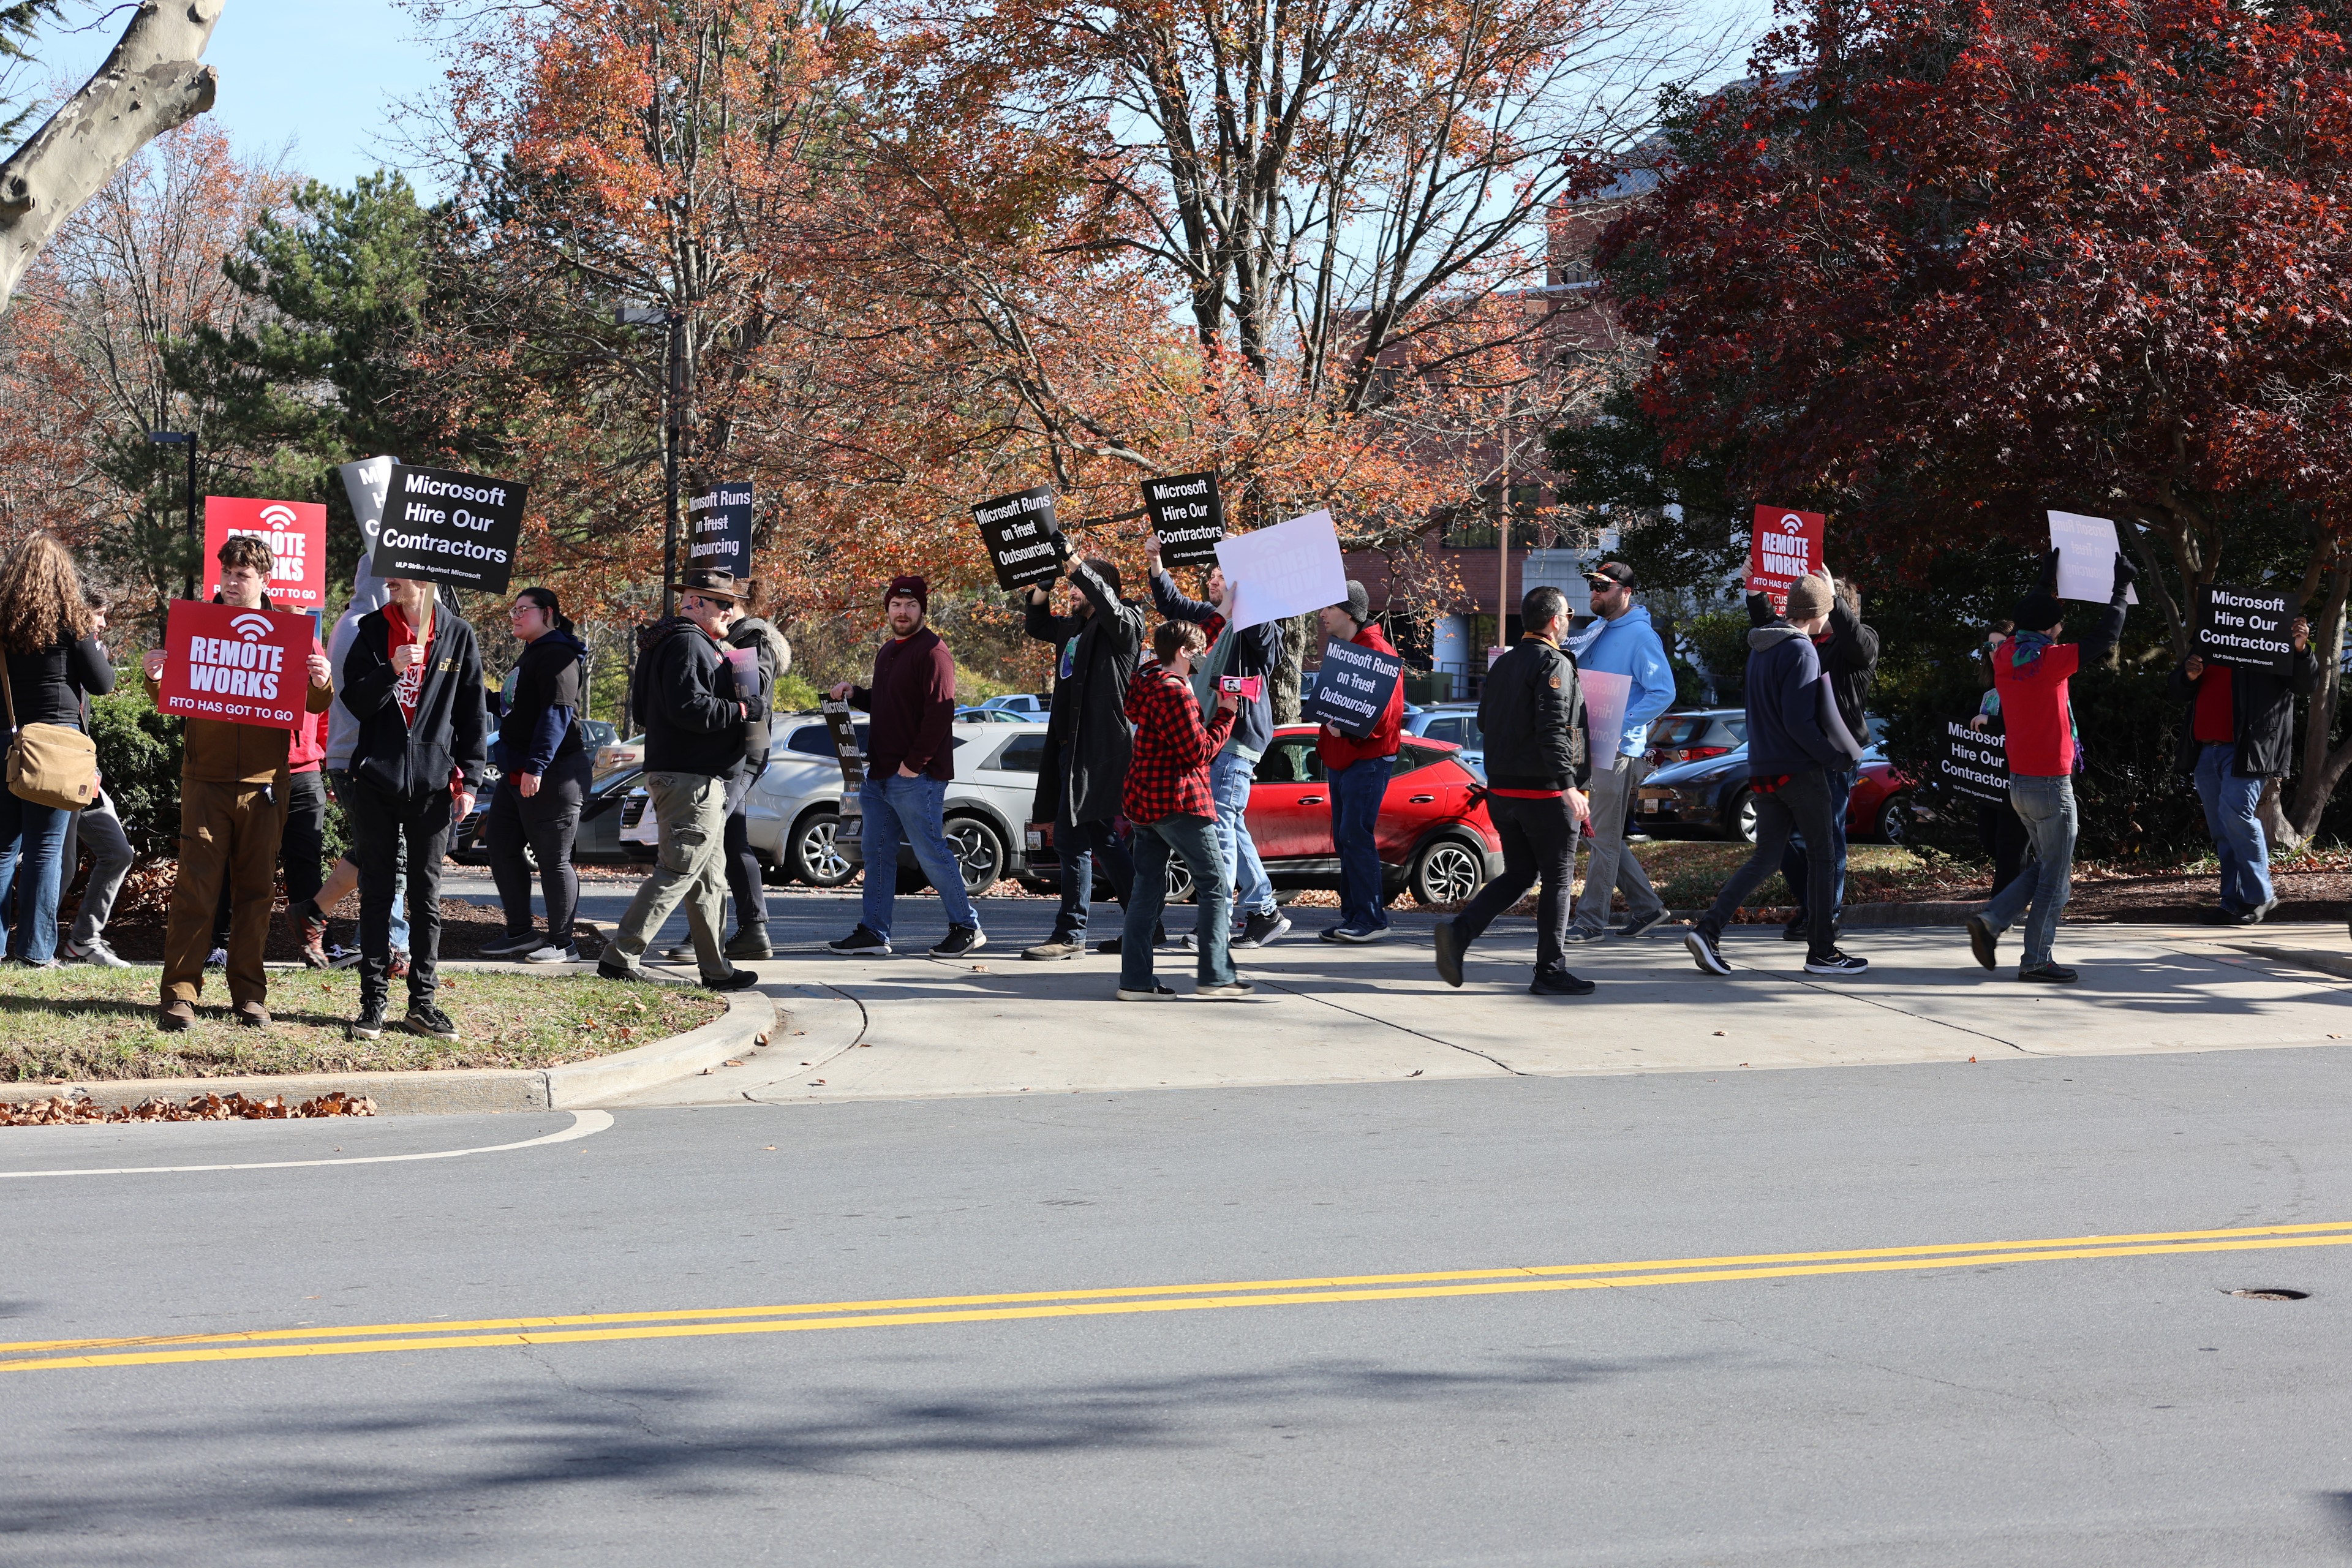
[[463, 1090]]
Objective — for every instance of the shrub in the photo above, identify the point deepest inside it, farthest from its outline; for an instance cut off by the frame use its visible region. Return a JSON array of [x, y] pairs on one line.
[[139, 764]]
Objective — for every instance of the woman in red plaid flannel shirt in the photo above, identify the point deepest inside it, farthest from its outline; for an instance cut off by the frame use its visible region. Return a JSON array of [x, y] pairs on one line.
[[1169, 801]]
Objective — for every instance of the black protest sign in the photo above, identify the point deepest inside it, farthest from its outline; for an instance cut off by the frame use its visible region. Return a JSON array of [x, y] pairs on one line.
[[1353, 687], [1187, 516], [1020, 533], [848, 831], [2246, 626], [718, 529], [1975, 763], [445, 527]]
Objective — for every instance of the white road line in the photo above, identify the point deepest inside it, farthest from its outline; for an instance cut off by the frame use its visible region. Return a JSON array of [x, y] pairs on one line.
[[584, 1123]]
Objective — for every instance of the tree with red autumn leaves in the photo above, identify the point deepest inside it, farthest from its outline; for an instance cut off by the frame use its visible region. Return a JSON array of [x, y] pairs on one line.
[[1940, 267]]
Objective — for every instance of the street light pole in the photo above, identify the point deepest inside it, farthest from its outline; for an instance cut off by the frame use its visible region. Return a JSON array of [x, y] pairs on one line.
[[185, 439]]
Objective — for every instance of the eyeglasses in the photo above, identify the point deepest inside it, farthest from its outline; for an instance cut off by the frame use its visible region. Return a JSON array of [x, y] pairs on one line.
[[517, 612]]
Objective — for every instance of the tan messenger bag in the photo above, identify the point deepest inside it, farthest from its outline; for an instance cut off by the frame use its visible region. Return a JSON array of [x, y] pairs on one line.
[[49, 764]]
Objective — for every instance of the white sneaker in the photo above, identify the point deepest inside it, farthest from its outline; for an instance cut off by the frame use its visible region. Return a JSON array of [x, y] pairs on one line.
[[97, 955]]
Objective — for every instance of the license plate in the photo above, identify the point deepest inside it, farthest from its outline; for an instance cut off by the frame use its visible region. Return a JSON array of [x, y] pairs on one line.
[[1652, 805], [1036, 839]]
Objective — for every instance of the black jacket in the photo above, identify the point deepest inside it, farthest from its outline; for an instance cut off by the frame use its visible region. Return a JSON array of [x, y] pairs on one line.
[[774, 656], [48, 687], [2261, 710], [548, 677], [1087, 737], [1253, 651], [686, 698], [1531, 713], [452, 719], [1849, 657]]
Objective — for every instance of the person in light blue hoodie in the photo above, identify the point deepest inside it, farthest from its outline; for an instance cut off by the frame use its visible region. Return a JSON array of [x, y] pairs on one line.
[[1622, 642]]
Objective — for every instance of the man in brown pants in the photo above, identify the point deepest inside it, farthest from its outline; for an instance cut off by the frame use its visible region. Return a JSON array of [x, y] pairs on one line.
[[232, 785]]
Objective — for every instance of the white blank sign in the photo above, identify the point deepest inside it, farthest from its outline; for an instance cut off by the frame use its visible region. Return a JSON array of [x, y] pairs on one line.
[[1289, 569], [1605, 696], [2087, 548]]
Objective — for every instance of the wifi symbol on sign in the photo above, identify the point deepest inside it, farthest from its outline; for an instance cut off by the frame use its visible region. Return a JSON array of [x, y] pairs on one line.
[[250, 627], [278, 514]]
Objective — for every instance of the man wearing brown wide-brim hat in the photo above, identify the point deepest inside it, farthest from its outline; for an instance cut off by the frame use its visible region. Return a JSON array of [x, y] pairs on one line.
[[686, 698]]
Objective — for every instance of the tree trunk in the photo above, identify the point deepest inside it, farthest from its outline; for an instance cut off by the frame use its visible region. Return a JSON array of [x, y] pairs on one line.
[[1287, 677], [2321, 770], [150, 84]]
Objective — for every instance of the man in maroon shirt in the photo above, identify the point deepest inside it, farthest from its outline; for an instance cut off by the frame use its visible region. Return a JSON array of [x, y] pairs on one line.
[[909, 760]]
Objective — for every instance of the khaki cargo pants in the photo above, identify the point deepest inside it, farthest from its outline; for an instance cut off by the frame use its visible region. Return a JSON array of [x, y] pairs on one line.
[[227, 831]]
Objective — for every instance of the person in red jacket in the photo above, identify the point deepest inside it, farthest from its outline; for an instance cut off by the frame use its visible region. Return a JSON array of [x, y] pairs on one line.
[[304, 842], [1358, 772], [1167, 798]]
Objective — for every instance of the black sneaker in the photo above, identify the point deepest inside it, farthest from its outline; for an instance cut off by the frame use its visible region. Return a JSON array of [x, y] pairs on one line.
[[1111, 944], [749, 944], [1644, 926], [614, 968], [1449, 954], [424, 1019], [861, 940], [1984, 941], [516, 944], [733, 979], [1834, 963], [958, 940], [1797, 929], [1259, 930], [1559, 983], [1704, 948], [369, 1025], [2050, 974]]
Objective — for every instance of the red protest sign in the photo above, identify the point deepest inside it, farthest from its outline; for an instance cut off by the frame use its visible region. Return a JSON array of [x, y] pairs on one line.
[[1785, 546], [296, 532], [241, 667]]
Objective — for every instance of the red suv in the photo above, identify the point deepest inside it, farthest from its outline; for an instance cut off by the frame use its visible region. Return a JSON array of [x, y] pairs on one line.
[[1435, 839]]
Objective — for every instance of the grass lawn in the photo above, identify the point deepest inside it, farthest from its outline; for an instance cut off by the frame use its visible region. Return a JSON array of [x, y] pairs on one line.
[[91, 1023]]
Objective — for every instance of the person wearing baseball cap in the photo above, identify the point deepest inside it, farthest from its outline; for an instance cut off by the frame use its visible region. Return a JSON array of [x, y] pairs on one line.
[[685, 697], [1623, 643], [1358, 771]]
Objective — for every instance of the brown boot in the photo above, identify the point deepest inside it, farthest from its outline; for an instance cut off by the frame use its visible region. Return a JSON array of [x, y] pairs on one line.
[[309, 929], [253, 1015], [174, 1016]]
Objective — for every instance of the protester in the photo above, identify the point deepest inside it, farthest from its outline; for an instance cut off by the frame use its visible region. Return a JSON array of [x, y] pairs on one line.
[[2038, 721], [309, 918], [1998, 831], [304, 845], [910, 758], [1849, 655], [1250, 653], [1531, 714], [234, 791], [1087, 741], [1624, 644], [542, 752], [1358, 772], [53, 659], [413, 678], [111, 856], [1167, 796], [2237, 734], [740, 866], [693, 712], [1796, 737]]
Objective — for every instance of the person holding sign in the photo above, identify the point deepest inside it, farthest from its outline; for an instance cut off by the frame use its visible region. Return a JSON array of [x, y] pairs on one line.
[[1625, 645], [413, 679], [53, 658], [1531, 713], [1796, 741], [234, 787], [1087, 741], [1251, 654], [1165, 793], [2031, 672], [1357, 770], [2238, 732]]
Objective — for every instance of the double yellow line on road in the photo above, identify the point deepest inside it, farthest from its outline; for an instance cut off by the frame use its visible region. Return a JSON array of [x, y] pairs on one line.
[[371, 1339]]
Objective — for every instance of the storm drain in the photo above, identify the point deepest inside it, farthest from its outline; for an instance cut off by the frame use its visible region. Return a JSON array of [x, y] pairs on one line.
[[2271, 1295]]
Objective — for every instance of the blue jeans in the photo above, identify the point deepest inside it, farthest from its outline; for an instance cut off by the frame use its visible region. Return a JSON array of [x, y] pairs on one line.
[[1077, 843], [1194, 838], [912, 811], [1356, 793], [1229, 782], [2229, 804], [2046, 807], [1794, 869], [32, 867]]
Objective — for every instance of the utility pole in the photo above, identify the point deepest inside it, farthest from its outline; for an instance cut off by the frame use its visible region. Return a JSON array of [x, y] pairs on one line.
[[195, 541], [673, 431]]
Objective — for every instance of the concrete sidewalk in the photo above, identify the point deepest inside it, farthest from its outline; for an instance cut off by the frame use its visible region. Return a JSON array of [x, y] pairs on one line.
[[905, 1028]]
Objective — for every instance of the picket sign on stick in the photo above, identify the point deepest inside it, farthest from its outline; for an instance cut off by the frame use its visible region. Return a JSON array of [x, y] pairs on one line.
[[1605, 696], [1783, 546], [1290, 569], [2087, 548], [239, 667], [296, 532]]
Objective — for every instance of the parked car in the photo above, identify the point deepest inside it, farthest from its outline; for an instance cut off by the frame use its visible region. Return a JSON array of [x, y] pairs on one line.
[[1457, 722], [992, 716], [1692, 735], [793, 810], [617, 779], [1710, 794], [1034, 704], [1435, 839]]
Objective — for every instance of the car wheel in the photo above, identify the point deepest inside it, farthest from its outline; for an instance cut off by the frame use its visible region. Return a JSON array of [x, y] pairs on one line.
[[1446, 872], [1893, 824], [812, 855], [1180, 881], [1739, 817], [978, 854]]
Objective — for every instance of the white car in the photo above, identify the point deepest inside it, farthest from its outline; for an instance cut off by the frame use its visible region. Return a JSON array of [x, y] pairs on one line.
[[794, 807]]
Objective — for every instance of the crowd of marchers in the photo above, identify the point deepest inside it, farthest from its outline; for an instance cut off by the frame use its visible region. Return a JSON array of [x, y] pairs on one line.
[[1145, 730]]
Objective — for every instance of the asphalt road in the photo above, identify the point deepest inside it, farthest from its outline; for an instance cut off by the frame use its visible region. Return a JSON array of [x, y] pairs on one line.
[[2082, 1403]]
